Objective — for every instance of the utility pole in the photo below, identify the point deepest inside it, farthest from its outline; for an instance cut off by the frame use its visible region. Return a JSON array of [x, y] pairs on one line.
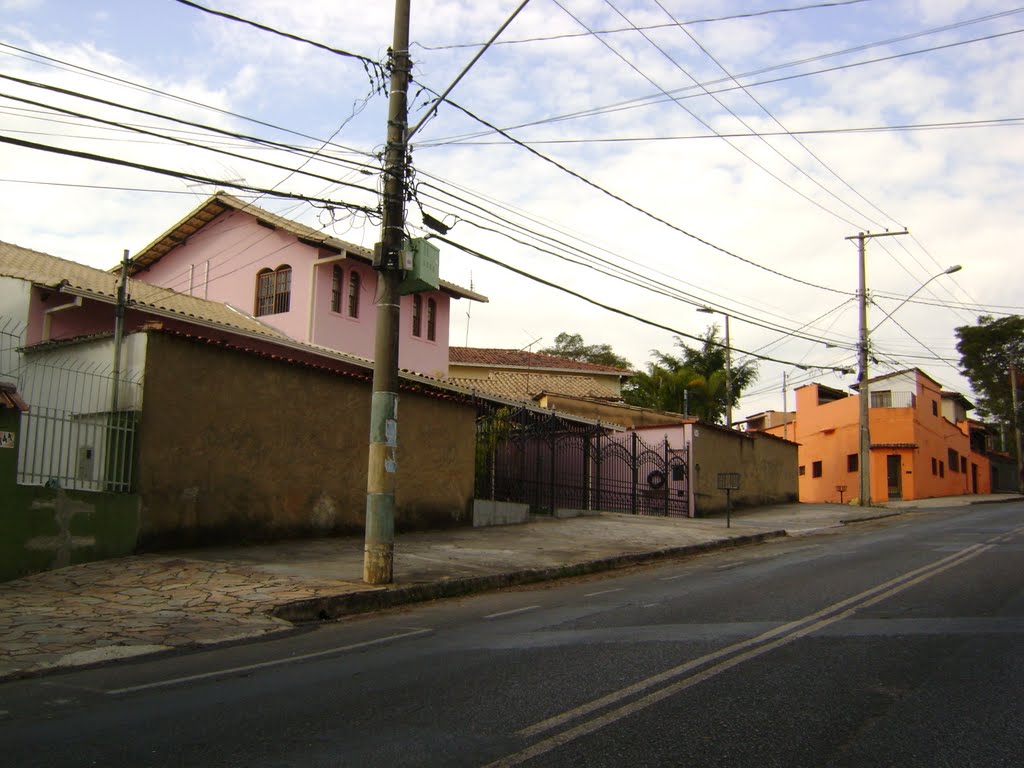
[[728, 376], [119, 312], [1016, 425], [785, 421], [864, 455], [379, 546]]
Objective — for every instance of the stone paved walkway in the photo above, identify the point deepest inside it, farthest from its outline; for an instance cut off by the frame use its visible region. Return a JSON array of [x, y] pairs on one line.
[[142, 604]]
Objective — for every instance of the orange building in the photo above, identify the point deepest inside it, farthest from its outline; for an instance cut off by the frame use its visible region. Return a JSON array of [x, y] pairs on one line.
[[920, 441]]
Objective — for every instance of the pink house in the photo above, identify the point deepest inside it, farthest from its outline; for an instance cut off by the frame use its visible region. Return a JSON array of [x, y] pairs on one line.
[[309, 285]]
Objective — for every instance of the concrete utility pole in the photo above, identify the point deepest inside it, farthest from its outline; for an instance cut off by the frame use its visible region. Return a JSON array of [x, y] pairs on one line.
[[379, 546], [785, 421], [119, 312], [864, 456], [1016, 425]]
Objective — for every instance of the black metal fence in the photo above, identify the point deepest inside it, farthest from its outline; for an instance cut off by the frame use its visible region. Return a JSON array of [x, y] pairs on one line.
[[550, 463]]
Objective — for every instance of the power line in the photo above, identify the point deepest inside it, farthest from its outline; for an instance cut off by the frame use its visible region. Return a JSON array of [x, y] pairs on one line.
[[636, 207], [187, 143], [595, 302], [996, 122], [149, 113], [732, 17], [437, 102], [700, 120], [778, 122], [96, 74], [374, 70], [652, 99], [628, 276], [181, 174]]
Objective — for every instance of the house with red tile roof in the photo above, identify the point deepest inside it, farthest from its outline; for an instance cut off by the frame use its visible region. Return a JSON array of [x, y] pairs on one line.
[[522, 375], [304, 283], [201, 422]]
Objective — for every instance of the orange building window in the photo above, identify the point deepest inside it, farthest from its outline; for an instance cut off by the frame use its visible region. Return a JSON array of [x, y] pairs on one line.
[[816, 469]]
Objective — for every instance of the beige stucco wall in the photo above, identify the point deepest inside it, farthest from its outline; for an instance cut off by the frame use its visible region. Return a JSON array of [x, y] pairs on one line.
[[767, 468], [233, 446]]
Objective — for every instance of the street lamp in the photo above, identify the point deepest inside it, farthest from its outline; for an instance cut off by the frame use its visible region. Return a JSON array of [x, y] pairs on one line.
[[947, 271], [728, 364], [864, 458]]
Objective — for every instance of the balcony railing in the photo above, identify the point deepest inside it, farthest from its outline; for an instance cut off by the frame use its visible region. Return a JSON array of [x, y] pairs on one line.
[[893, 399]]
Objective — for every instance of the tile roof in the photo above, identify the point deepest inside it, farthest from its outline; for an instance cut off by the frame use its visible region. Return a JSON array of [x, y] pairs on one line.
[[220, 202], [78, 279], [524, 386], [517, 358]]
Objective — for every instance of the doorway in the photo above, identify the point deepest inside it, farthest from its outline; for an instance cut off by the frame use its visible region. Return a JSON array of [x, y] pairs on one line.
[[894, 471]]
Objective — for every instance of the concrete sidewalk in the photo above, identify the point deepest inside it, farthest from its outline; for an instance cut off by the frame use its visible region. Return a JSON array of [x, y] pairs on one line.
[[96, 612]]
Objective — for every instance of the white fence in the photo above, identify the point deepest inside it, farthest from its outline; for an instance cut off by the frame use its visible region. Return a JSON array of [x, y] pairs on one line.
[[74, 435]]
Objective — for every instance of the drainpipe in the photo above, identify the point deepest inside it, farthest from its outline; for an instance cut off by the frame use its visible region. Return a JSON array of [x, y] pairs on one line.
[[48, 315]]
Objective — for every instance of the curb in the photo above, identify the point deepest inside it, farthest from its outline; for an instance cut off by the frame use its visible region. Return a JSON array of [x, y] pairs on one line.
[[879, 516], [336, 606]]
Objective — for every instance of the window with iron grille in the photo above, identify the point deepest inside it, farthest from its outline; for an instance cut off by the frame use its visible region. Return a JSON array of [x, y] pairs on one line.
[[935, 408], [816, 469], [431, 320], [802, 470], [273, 290], [417, 310], [337, 276], [942, 468], [963, 464], [954, 460], [851, 462], [353, 293], [935, 466]]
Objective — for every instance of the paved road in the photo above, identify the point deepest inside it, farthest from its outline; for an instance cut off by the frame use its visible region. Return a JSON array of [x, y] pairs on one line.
[[889, 643]]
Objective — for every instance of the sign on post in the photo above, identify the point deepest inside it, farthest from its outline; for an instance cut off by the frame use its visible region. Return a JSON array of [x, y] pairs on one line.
[[728, 482]]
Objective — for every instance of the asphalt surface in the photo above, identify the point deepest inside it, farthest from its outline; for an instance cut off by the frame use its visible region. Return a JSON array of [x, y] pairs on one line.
[[894, 642]]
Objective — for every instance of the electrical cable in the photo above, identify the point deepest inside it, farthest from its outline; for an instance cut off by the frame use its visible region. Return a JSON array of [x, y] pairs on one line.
[[180, 174], [96, 74], [373, 68], [654, 99], [778, 122], [732, 17], [638, 208], [595, 302], [700, 120]]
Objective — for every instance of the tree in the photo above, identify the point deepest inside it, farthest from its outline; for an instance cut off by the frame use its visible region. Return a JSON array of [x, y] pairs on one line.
[[571, 346], [987, 350], [692, 382]]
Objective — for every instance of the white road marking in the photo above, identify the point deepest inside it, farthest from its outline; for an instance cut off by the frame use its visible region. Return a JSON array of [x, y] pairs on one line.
[[730, 656], [673, 578], [267, 664], [604, 592], [510, 613]]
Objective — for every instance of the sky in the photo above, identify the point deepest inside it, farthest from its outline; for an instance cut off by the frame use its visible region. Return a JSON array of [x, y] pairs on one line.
[[722, 155]]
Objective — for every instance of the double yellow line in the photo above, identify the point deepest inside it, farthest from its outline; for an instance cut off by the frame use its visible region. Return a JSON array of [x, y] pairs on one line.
[[653, 689]]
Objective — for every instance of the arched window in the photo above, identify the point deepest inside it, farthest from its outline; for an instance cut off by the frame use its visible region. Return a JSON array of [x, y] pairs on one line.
[[417, 312], [273, 290], [337, 276], [353, 294], [431, 320]]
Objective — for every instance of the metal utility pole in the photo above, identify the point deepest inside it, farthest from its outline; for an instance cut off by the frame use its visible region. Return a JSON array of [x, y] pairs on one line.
[[864, 455], [1016, 425], [379, 546], [119, 312], [728, 376], [785, 421]]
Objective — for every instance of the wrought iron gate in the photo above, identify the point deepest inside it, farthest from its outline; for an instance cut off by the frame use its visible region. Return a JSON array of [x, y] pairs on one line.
[[553, 463]]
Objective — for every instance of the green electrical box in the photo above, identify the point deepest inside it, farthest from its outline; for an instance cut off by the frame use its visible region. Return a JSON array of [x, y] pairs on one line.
[[423, 274]]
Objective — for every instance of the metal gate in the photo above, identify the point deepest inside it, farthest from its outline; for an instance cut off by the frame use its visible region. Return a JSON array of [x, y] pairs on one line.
[[549, 462]]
